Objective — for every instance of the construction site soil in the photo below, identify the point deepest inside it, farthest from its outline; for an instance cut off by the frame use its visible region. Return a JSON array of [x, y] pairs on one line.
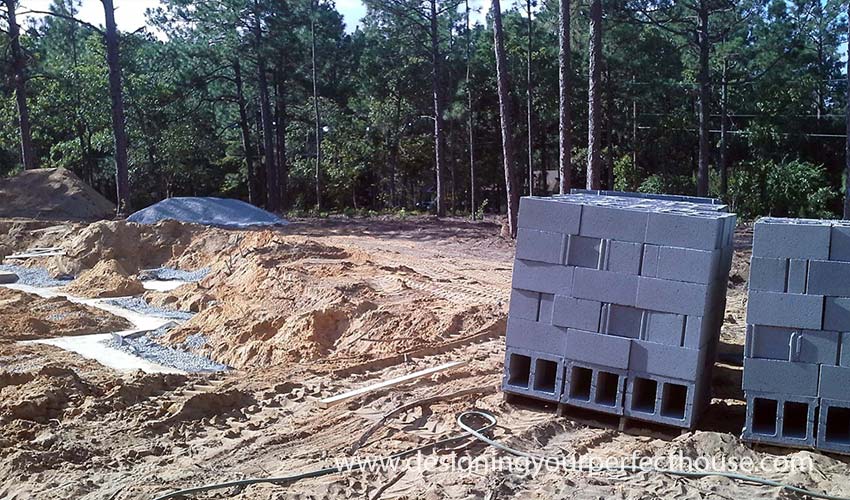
[[305, 312]]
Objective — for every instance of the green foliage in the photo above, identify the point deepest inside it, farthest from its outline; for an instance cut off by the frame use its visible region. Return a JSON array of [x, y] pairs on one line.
[[786, 189], [783, 62], [626, 174], [481, 210]]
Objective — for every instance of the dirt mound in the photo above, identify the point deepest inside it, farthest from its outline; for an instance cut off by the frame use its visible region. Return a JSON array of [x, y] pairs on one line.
[[134, 246], [52, 194], [41, 397], [107, 279], [273, 299], [25, 317]]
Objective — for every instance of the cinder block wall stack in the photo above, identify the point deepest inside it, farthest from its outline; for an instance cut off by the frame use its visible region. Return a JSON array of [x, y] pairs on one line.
[[797, 353], [617, 303]]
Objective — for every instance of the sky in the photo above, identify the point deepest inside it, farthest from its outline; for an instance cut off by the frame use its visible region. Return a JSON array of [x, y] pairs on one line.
[[130, 14]]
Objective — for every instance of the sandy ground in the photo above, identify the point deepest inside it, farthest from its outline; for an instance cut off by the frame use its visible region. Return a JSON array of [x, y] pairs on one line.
[[315, 309]]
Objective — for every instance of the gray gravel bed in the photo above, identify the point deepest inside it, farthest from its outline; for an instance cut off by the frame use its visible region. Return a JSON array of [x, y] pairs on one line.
[[35, 276], [147, 347], [139, 305]]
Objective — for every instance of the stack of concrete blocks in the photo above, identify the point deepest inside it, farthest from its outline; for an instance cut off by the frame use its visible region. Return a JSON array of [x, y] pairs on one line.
[[797, 352], [617, 303]]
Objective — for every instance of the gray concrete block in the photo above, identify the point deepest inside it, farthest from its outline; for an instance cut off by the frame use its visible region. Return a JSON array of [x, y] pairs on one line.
[[598, 349], [780, 377], [834, 382], [547, 305], [791, 238], [7, 278], [687, 264], [524, 304], [666, 360], [605, 286], [816, 346], [624, 321], [620, 224], [785, 309], [788, 344], [839, 244], [661, 399], [665, 328], [698, 332], [672, 296], [798, 270], [834, 426], [577, 313], [541, 246], [649, 264], [780, 419], [543, 277], [535, 374], [829, 278], [623, 257], [535, 336], [594, 387], [686, 230], [768, 342], [836, 314], [548, 214], [584, 252], [769, 275]]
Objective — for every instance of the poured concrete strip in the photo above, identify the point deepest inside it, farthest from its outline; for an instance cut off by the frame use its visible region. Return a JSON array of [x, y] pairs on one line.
[[92, 346], [141, 322]]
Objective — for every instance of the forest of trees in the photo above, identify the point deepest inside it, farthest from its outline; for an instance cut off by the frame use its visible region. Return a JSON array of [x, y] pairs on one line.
[[422, 109]]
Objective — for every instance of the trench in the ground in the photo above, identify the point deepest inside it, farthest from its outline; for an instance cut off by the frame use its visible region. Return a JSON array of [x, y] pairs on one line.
[[93, 346]]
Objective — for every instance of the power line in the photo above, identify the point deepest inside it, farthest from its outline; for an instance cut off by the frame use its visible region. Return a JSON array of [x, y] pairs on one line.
[[745, 132]]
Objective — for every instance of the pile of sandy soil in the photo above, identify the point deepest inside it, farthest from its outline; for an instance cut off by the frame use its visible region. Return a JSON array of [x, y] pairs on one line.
[[18, 235], [134, 246], [52, 194], [24, 316], [106, 279], [274, 298]]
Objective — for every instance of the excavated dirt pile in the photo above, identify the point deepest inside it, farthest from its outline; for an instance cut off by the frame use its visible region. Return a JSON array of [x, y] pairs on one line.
[[275, 298], [133, 246], [107, 279], [52, 194], [24, 316]]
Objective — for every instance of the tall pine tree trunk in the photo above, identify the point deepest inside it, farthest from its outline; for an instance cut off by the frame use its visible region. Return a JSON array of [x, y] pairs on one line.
[[316, 115], [564, 85], [594, 88], [280, 136], [272, 188], [724, 113], [847, 133], [19, 81], [511, 193], [119, 131], [529, 103], [469, 117], [245, 128], [704, 99], [437, 89]]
